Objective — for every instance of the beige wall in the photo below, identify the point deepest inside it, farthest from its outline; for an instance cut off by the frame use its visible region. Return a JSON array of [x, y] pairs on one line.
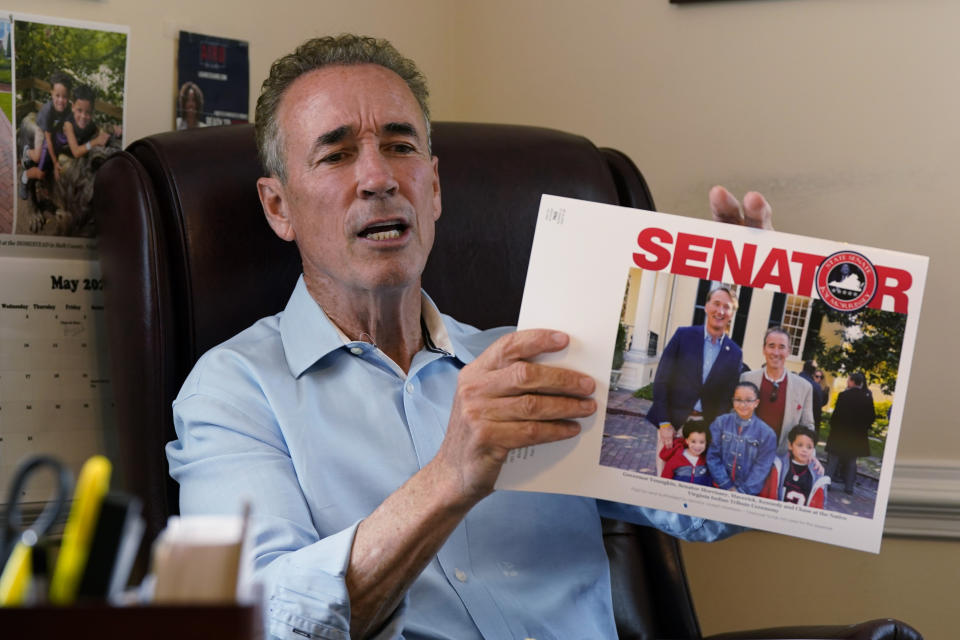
[[843, 113], [758, 580]]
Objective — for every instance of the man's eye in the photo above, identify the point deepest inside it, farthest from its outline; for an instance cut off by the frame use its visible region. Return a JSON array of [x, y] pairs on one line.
[[402, 147], [332, 158]]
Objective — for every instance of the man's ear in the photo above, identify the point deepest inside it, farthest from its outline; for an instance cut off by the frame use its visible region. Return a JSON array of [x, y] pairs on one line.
[[273, 200], [436, 189]]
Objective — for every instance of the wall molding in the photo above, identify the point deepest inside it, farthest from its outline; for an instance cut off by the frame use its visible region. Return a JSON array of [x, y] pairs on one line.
[[924, 500]]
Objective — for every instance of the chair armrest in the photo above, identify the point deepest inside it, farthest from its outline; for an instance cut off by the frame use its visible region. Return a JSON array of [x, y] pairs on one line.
[[885, 629]]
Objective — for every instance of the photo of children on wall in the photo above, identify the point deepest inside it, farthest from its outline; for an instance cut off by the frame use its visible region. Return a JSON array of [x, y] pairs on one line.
[[69, 115], [754, 391], [6, 129]]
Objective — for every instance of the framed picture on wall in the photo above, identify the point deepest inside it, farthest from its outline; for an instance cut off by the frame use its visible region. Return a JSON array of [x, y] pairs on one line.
[[67, 108]]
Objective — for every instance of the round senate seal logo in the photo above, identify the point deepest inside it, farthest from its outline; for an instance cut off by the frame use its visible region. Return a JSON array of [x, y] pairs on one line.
[[846, 281]]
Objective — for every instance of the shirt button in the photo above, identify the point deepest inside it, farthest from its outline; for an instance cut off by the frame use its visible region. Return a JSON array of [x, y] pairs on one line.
[[460, 574], [409, 387], [356, 351]]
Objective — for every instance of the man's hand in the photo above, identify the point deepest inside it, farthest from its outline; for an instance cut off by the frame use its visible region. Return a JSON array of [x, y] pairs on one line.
[[755, 212], [503, 402]]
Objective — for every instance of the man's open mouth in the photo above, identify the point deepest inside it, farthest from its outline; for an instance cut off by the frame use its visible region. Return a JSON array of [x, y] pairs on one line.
[[384, 231]]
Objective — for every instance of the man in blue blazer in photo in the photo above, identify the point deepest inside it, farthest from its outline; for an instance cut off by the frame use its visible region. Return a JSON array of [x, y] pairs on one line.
[[698, 371]]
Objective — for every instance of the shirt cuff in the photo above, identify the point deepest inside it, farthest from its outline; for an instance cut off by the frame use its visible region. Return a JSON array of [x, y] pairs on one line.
[[308, 595]]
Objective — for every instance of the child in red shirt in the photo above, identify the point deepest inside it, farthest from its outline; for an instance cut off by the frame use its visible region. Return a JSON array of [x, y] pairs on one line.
[[686, 460]]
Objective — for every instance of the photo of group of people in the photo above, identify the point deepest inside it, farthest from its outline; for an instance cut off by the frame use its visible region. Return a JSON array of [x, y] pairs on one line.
[[736, 401], [67, 109], [738, 452]]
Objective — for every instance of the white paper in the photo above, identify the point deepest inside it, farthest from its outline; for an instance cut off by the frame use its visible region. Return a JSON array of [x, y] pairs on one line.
[[582, 260]]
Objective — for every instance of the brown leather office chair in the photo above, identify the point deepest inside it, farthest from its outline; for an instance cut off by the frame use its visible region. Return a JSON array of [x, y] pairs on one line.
[[188, 260]]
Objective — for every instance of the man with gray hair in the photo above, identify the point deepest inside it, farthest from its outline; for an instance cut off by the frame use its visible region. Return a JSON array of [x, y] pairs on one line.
[[366, 428], [786, 399]]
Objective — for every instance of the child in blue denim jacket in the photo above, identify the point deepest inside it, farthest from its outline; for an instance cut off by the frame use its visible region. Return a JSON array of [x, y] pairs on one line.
[[744, 446]]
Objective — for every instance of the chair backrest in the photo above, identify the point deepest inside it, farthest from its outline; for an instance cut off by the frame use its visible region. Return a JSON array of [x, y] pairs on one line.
[[188, 260]]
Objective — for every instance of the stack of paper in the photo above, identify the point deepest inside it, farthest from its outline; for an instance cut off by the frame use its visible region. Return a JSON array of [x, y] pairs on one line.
[[198, 559]]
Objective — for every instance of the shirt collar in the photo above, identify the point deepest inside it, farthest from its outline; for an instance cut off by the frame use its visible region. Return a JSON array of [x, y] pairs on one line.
[[708, 338], [433, 321], [778, 380], [309, 335]]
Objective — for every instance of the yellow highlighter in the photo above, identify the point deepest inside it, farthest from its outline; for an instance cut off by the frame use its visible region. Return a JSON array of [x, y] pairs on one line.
[[15, 579], [92, 486]]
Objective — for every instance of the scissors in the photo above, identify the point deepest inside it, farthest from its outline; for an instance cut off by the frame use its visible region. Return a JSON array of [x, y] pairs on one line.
[[14, 530]]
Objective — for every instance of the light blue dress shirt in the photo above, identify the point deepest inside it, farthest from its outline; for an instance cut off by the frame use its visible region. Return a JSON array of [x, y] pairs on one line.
[[711, 350], [316, 431]]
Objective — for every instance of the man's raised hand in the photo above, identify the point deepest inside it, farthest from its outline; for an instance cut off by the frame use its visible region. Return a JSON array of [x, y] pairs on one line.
[[755, 211]]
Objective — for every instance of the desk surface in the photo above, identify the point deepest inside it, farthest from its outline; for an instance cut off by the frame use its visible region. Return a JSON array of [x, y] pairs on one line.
[[144, 623]]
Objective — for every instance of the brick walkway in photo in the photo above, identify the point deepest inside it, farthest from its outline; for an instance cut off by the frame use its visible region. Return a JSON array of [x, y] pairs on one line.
[[629, 440]]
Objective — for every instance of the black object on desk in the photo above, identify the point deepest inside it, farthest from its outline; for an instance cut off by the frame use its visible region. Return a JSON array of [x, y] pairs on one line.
[[14, 528], [111, 558], [102, 622]]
